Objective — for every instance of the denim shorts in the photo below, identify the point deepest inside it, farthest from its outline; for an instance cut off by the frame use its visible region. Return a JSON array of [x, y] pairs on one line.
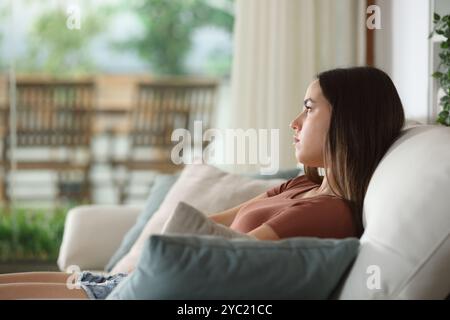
[[98, 286]]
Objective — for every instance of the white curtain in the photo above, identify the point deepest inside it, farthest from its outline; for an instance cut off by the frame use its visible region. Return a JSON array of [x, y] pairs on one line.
[[279, 47]]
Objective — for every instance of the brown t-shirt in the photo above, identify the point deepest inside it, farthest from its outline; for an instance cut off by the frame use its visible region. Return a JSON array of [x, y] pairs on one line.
[[323, 216]]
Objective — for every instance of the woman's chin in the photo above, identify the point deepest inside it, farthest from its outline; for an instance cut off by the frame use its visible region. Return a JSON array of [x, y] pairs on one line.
[[299, 156], [307, 161]]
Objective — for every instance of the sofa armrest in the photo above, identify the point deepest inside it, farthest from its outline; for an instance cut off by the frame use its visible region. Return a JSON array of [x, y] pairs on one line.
[[92, 234]]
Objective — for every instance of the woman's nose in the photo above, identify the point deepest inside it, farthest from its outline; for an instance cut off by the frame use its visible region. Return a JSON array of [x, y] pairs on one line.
[[295, 124]]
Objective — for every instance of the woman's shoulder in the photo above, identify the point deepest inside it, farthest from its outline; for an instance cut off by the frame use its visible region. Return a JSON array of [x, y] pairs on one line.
[[287, 185], [327, 203], [319, 216], [299, 181]]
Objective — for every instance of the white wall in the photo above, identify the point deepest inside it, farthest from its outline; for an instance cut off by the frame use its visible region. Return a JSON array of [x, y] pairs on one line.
[[402, 51]]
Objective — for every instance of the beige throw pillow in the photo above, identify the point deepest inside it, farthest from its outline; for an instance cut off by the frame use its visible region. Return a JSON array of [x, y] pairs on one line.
[[188, 220], [204, 187]]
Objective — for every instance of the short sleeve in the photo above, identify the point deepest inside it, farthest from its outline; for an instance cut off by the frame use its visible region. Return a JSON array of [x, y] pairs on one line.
[[278, 189], [322, 217]]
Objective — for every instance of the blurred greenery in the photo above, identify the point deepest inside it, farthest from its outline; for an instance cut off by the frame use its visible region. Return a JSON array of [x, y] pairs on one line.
[[166, 37], [169, 27], [218, 63], [55, 49], [3, 20], [31, 234]]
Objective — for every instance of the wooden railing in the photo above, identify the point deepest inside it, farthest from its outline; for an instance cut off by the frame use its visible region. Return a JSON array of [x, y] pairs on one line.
[[63, 114], [161, 107], [53, 114]]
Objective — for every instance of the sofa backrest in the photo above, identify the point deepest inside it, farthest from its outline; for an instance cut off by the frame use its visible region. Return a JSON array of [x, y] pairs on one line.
[[405, 248]]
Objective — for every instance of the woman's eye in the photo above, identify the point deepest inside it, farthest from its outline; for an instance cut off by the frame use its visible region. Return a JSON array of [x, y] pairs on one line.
[[307, 109]]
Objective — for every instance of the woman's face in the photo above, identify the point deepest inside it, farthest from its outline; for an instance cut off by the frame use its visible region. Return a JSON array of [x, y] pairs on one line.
[[311, 127]]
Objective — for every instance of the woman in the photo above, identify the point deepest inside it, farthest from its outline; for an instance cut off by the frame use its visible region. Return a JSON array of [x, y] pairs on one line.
[[350, 119]]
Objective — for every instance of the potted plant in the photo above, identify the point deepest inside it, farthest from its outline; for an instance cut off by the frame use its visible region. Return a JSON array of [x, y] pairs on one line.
[[442, 28]]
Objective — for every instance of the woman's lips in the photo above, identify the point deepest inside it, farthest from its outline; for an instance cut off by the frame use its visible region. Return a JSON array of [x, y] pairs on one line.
[[296, 140]]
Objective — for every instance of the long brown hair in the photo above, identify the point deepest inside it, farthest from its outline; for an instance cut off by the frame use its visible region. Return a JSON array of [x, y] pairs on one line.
[[366, 118]]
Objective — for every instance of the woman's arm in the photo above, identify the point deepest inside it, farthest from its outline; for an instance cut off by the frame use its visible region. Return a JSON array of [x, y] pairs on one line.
[[264, 232], [226, 217]]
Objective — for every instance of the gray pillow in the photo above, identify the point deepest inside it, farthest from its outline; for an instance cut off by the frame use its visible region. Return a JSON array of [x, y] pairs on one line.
[[209, 267], [161, 185]]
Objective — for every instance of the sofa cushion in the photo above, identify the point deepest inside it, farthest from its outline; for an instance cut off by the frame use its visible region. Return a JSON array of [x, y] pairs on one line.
[[405, 248], [188, 220], [160, 187], [208, 267], [206, 188]]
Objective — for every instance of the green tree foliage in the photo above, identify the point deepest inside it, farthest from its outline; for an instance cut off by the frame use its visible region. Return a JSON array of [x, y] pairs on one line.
[[168, 29], [55, 49]]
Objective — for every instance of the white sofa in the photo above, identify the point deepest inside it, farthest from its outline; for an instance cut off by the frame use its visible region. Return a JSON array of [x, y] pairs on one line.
[[405, 249]]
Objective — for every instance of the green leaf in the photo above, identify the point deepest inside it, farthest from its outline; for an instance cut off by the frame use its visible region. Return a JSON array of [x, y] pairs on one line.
[[447, 121], [447, 32], [443, 114], [444, 45], [437, 74], [436, 17]]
